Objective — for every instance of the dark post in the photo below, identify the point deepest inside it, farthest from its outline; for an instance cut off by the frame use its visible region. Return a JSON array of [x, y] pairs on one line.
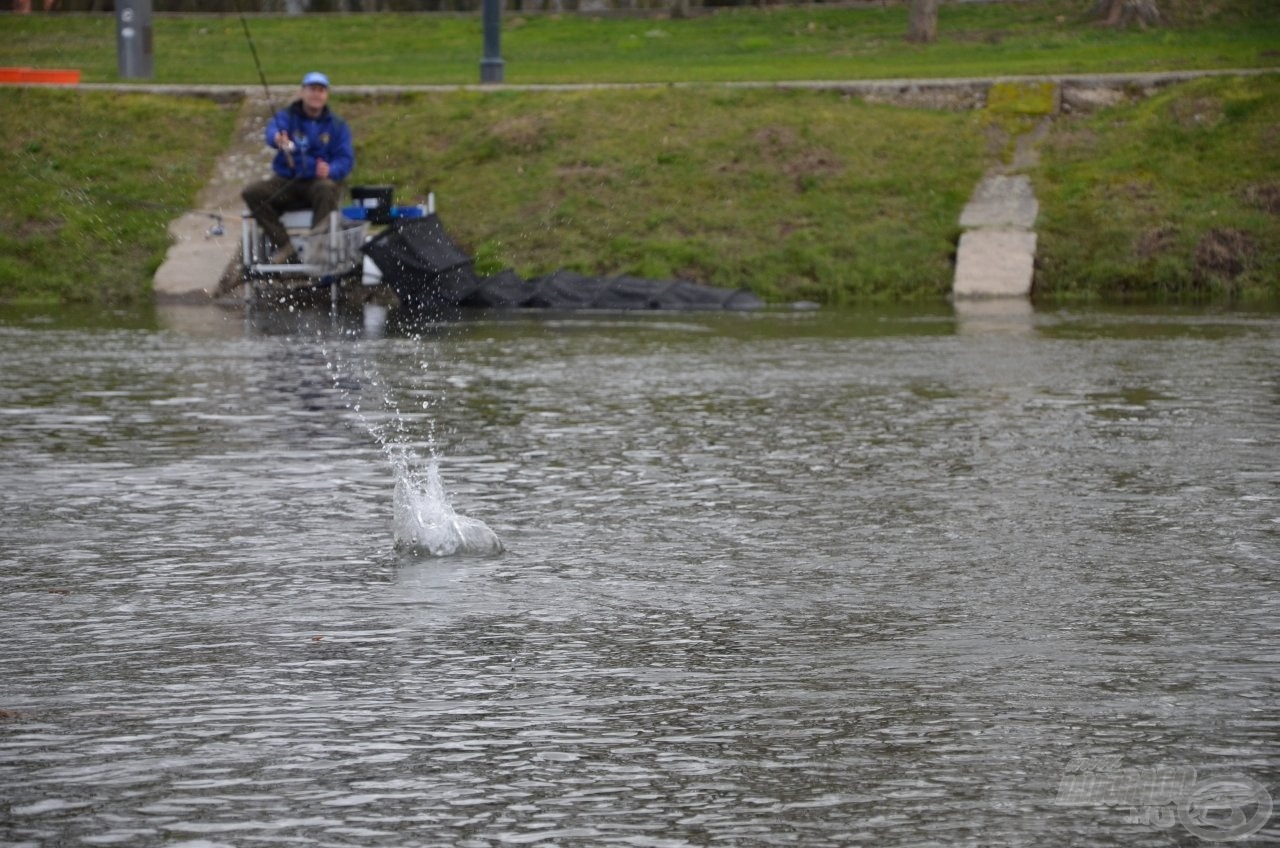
[[491, 64], [133, 38]]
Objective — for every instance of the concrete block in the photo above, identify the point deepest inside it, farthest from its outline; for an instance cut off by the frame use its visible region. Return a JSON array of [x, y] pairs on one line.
[[995, 263], [1081, 98], [1002, 201], [196, 258]]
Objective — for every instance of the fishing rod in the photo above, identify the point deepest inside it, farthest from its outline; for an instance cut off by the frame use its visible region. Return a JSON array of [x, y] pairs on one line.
[[287, 151]]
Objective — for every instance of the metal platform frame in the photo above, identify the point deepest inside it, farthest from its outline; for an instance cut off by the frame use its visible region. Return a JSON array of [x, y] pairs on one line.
[[327, 257]]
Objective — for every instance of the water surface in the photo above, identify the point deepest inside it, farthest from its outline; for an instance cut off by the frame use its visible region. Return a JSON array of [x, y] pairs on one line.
[[768, 579]]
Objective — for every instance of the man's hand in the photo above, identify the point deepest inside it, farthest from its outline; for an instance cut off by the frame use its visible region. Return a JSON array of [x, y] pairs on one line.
[[322, 169], [283, 142]]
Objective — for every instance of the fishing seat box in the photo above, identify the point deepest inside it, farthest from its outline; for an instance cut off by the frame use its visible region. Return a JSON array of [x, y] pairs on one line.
[[375, 201]]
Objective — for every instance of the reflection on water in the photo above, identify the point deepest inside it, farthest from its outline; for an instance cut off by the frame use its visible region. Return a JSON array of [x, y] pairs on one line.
[[995, 315], [794, 578]]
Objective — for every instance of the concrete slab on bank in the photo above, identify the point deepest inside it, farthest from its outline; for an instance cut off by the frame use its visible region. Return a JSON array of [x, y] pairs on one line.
[[995, 263], [1002, 201], [198, 257]]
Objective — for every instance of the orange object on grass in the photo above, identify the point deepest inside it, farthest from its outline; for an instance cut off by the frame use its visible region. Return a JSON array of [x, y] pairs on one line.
[[40, 76]]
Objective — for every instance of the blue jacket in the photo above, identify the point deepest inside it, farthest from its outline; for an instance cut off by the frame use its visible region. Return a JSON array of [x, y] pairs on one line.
[[327, 137]]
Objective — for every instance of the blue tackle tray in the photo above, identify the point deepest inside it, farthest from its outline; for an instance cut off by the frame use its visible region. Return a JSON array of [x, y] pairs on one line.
[[359, 213]]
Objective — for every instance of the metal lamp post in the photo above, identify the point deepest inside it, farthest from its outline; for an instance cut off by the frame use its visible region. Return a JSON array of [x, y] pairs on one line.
[[133, 38], [491, 64]]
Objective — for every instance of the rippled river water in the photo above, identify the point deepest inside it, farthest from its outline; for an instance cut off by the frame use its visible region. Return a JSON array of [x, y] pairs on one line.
[[790, 578]]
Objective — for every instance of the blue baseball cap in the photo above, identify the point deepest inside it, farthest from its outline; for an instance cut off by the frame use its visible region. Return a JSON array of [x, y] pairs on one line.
[[316, 78]]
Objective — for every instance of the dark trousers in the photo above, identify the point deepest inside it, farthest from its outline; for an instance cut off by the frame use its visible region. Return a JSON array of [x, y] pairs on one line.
[[271, 197]]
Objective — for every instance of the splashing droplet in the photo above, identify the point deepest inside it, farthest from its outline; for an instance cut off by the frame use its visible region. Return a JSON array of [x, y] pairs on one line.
[[425, 521]]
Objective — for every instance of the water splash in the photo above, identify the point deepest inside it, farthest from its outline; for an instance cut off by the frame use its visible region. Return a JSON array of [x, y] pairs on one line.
[[425, 521]]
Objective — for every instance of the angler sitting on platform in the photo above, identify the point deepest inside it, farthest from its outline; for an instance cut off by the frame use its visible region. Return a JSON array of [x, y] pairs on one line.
[[315, 156]]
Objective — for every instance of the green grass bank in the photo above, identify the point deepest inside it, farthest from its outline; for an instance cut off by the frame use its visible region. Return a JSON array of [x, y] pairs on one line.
[[1174, 197], [794, 194], [93, 180]]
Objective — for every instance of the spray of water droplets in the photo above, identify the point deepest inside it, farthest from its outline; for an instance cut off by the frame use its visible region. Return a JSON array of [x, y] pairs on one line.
[[424, 521]]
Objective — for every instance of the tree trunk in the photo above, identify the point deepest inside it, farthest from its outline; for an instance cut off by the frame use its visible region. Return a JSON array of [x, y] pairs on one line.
[[922, 27], [1118, 13]]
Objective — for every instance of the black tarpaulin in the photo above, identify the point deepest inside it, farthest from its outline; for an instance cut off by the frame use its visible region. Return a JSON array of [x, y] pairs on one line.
[[426, 269], [506, 290], [571, 290]]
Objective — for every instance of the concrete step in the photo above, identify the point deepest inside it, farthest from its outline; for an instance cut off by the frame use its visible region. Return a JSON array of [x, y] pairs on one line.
[[997, 251], [995, 263], [1002, 201]]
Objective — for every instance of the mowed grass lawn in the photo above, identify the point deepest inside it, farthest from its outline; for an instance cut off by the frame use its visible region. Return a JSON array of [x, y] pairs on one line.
[[756, 44]]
